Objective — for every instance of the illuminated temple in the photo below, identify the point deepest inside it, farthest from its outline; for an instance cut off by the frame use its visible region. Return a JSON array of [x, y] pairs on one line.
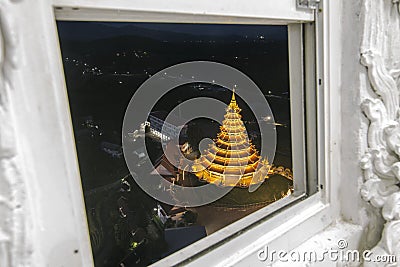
[[232, 160]]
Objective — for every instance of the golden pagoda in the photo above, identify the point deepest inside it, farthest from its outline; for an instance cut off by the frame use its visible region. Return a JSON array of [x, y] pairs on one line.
[[232, 160]]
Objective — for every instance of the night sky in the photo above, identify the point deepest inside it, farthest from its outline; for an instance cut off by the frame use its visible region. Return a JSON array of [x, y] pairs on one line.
[[99, 30]]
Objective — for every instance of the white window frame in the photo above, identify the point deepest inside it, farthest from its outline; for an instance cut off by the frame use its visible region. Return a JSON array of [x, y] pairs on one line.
[[282, 230]]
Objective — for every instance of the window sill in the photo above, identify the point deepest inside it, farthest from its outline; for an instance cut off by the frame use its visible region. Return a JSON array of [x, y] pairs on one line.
[[324, 241], [314, 216]]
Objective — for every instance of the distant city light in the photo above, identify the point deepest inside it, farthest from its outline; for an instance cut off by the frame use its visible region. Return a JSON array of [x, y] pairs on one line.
[[267, 118]]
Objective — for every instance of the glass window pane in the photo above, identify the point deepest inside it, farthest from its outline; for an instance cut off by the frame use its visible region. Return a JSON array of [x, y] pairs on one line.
[[105, 63]]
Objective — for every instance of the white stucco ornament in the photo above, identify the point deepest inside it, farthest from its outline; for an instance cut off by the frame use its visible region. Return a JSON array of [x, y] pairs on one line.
[[389, 245], [380, 54], [13, 251]]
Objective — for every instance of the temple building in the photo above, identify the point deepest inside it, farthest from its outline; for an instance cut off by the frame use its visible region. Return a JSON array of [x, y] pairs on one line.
[[232, 160]]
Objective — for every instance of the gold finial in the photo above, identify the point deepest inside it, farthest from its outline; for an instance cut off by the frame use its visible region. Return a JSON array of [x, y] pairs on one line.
[[233, 95], [233, 105]]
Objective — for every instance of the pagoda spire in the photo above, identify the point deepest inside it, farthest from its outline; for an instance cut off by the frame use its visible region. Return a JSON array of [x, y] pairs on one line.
[[233, 105]]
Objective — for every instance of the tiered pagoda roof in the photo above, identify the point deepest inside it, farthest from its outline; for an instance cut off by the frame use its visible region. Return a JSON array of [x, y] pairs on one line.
[[232, 160]]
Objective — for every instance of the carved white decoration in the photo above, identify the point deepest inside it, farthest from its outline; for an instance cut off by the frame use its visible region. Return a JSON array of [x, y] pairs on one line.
[[389, 244], [13, 249], [380, 53]]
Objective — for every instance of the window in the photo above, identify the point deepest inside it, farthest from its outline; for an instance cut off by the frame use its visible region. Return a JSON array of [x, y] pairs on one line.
[[305, 124], [106, 63]]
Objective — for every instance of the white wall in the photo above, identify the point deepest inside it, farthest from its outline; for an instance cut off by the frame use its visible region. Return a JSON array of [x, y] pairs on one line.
[[354, 83], [36, 141]]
